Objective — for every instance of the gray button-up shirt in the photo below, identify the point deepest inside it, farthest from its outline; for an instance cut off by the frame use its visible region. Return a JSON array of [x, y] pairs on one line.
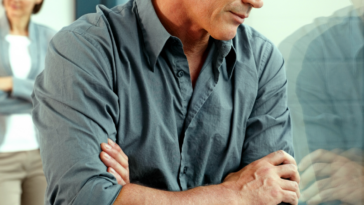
[[119, 74]]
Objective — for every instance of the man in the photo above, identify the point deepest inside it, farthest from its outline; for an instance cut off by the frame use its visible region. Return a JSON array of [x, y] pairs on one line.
[[194, 99]]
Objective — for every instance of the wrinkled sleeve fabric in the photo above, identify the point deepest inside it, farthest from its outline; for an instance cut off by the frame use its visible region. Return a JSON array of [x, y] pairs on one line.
[[75, 110], [269, 126]]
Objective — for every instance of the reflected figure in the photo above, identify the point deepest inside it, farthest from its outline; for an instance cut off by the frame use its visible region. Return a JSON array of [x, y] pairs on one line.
[[325, 72], [341, 176]]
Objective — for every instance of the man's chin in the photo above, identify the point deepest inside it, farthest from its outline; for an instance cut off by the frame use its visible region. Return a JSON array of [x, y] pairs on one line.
[[224, 35]]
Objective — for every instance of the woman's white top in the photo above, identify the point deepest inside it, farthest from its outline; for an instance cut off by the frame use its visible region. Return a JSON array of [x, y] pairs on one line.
[[20, 132]]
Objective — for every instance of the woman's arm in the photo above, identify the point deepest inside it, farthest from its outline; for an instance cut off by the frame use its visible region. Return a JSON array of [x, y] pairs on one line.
[[16, 87], [10, 105]]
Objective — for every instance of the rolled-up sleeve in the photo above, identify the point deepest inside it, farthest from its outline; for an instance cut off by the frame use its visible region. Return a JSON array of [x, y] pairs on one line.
[[75, 110], [269, 126]]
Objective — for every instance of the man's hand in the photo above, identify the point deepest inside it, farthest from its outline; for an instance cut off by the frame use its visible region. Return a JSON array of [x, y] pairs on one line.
[[341, 178], [270, 180], [6, 84], [116, 161]]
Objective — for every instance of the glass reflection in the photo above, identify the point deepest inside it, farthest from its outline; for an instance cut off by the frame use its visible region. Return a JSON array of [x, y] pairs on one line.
[[89, 6], [325, 71]]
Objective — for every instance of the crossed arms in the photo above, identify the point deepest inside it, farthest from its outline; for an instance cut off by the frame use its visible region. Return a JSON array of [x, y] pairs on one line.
[[18, 101], [270, 180]]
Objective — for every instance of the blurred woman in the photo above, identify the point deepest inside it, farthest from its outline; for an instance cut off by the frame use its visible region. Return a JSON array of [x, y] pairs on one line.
[[23, 46]]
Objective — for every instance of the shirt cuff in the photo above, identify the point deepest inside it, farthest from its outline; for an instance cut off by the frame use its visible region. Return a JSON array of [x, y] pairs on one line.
[[22, 88]]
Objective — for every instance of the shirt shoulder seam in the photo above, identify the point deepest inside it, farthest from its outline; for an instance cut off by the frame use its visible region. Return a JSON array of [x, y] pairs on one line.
[[88, 39]]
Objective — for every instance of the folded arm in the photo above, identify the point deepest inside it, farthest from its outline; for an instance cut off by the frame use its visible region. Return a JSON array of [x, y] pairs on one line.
[[15, 95], [75, 110], [10, 105], [270, 180]]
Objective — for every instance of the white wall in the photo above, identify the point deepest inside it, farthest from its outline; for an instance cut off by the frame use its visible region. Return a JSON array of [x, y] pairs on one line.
[[277, 19], [55, 13]]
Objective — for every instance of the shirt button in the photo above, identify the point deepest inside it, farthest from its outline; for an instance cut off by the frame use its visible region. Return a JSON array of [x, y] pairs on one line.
[[180, 73], [185, 170]]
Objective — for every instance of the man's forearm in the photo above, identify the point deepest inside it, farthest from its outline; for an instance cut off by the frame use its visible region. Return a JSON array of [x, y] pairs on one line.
[[133, 194]]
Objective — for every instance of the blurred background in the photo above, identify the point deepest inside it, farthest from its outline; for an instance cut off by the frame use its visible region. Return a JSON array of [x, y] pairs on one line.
[[323, 46], [66, 11]]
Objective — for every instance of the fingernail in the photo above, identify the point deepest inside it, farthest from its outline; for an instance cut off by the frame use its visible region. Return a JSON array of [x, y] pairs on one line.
[[111, 142], [107, 146], [106, 156], [112, 170]]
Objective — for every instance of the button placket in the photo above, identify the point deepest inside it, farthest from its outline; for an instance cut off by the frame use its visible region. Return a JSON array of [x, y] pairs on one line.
[[185, 170], [180, 73]]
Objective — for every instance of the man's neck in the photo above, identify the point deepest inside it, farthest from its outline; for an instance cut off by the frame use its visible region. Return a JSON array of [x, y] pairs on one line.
[[174, 17], [18, 25]]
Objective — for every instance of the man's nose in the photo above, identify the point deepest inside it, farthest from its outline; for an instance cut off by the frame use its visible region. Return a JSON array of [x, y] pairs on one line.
[[254, 3]]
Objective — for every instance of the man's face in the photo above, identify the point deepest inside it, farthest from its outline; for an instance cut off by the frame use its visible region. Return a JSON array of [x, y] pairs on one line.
[[220, 18]]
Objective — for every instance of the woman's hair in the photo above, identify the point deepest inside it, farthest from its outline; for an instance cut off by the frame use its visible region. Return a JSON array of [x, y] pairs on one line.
[[36, 8]]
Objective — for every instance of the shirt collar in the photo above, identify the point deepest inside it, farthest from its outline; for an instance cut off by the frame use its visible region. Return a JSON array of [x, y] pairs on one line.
[[225, 51], [155, 37], [154, 34]]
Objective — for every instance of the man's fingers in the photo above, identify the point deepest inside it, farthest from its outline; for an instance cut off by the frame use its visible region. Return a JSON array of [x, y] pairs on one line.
[[288, 185], [111, 162], [280, 157], [289, 197], [117, 147], [117, 161], [117, 176], [288, 171], [119, 156], [320, 155], [315, 188], [325, 196], [316, 170], [309, 159]]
